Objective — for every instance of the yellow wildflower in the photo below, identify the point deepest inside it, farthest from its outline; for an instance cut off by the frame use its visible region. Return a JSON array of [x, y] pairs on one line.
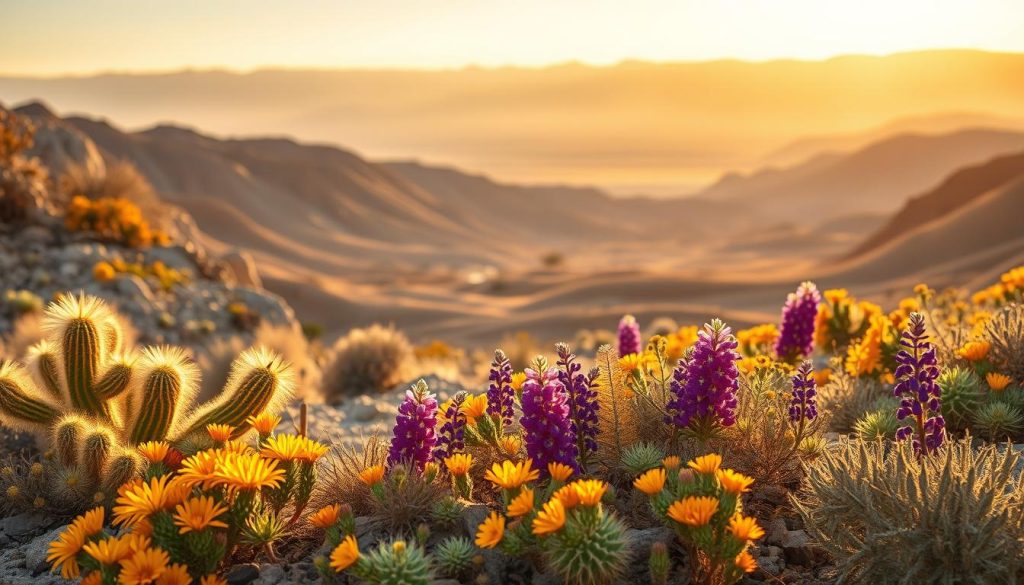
[[693, 511], [491, 531]]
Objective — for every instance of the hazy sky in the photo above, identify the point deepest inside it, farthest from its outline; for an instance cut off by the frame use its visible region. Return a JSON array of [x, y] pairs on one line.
[[46, 37]]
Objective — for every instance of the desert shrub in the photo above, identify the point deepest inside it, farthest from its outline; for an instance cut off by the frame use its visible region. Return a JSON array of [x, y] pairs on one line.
[[552, 259], [340, 478], [1005, 332], [846, 399], [22, 179], [27, 331], [112, 220], [115, 180], [887, 516], [373, 359]]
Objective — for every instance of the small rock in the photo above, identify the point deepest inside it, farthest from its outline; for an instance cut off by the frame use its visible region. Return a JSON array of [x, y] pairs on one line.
[[270, 574], [35, 551], [798, 549], [243, 574], [776, 531]]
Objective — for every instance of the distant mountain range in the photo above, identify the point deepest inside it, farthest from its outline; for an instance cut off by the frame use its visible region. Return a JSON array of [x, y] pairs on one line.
[[350, 241], [654, 128]]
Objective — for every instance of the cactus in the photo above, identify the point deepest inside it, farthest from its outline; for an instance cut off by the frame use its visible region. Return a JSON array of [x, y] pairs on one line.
[[454, 556], [961, 394], [640, 457], [396, 563], [590, 550], [879, 424], [447, 511], [96, 398], [998, 420], [659, 563]]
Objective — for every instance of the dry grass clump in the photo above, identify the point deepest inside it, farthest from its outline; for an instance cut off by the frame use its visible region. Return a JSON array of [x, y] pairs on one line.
[[115, 180], [339, 479], [888, 516], [373, 359]]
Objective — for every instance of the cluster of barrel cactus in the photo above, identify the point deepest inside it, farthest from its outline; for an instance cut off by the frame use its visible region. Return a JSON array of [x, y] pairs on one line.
[[96, 399]]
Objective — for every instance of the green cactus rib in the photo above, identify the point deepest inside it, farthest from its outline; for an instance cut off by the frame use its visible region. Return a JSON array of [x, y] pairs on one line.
[[95, 450], [114, 382], [81, 361], [121, 469], [160, 400], [112, 336], [15, 403], [49, 371], [66, 436], [253, 395]]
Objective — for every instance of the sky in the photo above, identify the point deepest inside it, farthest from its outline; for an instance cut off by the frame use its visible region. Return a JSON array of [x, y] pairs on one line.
[[56, 37]]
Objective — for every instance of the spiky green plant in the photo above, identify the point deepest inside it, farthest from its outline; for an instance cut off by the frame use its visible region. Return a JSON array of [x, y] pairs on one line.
[[96, 399], [961, 395], [454, 556], [659, 564], [888, 516], [640, 457], [590, 550], [447, 511], [1005, 331], [395, 563], [998, 421], [880, 424]]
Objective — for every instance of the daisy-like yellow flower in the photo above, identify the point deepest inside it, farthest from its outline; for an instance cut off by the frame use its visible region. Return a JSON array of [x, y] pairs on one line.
[[550, 519], [212, 580], [311, 450], [141, 500], [997, 382], [198, 469], [265, 423], [693, 511], [510, 476], [372, 475], [62, 552], [197, 514], [651, 481], [706, 464], [745, 562], [590, 491], [974, 351], [459, 464], [568, 495], [522, 504], [518, 378], [220, 433], [176, 574], [235, 446], [474, 407], [282, 447], [154, 451], [247, 472], [745, 528], [632, 362], [559, 471], [91, 522], [491, 531], [93, 578], [143, 567], [672, 462], [732, 482], [109, 551], [345, 554], [511, 444], [325, 517]]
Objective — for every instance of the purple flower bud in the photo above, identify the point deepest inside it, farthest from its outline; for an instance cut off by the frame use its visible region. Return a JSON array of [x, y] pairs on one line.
[[803, 406], [500, 396], [583, 405], [704, 384], [920, 395], [451, 437], [796, 334], [547, 427], [414, 436], [629, 336]]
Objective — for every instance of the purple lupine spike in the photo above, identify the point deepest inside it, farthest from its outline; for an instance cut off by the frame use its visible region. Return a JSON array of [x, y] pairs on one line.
[[451, 436], [920, 396], [796, 333], [547, 427], [500, 396], [583, 405], [629, 336], [414, 434], [705, 382], [803, 406]]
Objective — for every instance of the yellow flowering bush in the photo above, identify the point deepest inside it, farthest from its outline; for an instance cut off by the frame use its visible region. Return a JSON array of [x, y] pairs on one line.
[[187, 515], [702, 503], [112, 219]]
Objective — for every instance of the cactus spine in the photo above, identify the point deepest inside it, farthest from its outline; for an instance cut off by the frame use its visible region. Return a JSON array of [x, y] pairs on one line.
[[67, 435], [590, 550], [168, 380], [95, 450], [42, 361]]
